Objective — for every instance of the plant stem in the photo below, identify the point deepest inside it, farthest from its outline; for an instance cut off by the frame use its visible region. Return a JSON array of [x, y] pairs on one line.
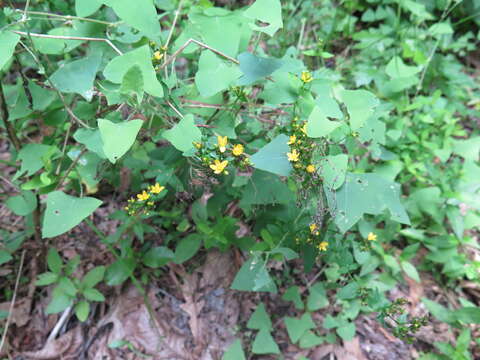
[[11, 133]]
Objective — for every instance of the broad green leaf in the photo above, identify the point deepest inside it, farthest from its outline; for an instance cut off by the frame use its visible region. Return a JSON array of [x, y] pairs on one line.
[[22, 204], [54, 261], [410, 270], [396, 68], [184, 134], [317, 297], [118, 138], [132, 83], [46, 279], [264, 343], [119, 66], [260, 319], [266, 11], [55, 46], [215, 74], [284, 89], [42, 97], [287, 253], [469, 149], [297, 327], [273, 157], [255, 68], [120, 271], [309, 339], [141, 15], [82, 309], [266, 188], [348, 292], [360, 106], [293, 294], [440, 28], [33, 157], [318, 125], [86, 8], [365, 194], [187, 248], [78, 76], [59, 303], [92, 139], [93, 277], [234, 351], [158, 256], [468, 315], [416, 8], [17, 101], [247, 278], [439, 311], [93, 295], [333, 169], [64, 212], [5, 257], [347, 331], [8, 41]]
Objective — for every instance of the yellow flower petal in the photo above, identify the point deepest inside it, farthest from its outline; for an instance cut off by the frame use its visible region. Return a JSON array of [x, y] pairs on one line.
[[222, 143], [371, 237], [237, 150], [293, 156]]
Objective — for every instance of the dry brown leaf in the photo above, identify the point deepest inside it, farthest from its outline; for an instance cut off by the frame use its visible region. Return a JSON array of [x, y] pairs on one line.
[[65, 347], [21, 311], [353, 347]]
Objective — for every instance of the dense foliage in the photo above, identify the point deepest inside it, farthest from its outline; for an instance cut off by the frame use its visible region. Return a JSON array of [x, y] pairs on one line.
[[344, 134]]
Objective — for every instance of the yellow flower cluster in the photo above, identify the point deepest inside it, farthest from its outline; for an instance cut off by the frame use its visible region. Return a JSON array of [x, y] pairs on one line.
[[306, 77], [136, 204], [299, 143]]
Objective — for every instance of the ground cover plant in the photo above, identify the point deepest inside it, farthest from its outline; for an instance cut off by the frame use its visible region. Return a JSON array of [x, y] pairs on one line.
[[239, 179]]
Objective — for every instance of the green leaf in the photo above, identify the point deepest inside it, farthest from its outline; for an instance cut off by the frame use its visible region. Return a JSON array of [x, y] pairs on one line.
[[5, 257], [266, 11], [273, 157], [118, 138], [333, 169], [82, 309], [93, 277], [297, 327], [293, 294], [8, 41], [215, 74], [158, 256], [142, 16], [85, 8], [309, 339], [410, 270], [253, 276], [287, 253], [132, 82], [119, 66], [63, 212], [440, 28], [284, 89], [33, 157], [317, 297], [93, 295], [120, 271], [187, 248], [260, 319], [78, 76], [92, 139], [396, 68], [365, 194], [347, 331], [265, 188], [264, 343], [318, 124], [22, 204], [184, 134], [54, 261], [360, 106], [59, 303], [234, 351], [254, 67], [66, 286], [348, 292], [46, 279], [468, 315], [440, 312]]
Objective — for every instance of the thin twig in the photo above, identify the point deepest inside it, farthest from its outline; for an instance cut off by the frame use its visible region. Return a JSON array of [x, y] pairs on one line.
[[188, 42], [69, 17], [82, 38], [70, 168], [11, 133], [172, 28], [12, 304], [59, 324], [174, 109], [25, 11]]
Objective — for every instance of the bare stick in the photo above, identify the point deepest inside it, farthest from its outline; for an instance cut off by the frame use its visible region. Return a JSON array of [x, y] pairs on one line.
[[59, 324], [174, 23], [24, 16], [12, 304], [69, 17], [70, 168], [174, 109], [12, 135], [188, 42], [83, 38]]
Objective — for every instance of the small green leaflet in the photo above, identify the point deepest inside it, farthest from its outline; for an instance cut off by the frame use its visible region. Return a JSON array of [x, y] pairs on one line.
[[33, 157], [253, 275], [360, 106], [297, 327], [63, 212], [273, 157], [318, 124], [8, 41], [141, 15], [86, 8], [264, 343], [255, 68], [92, 139], [78, 76], [260, 319], [118, 138], [266, 11], [234, 351], [214, 74], [22, 204], [132, 83], [333, 169], [119, 66], [184, 134], [365, 194]]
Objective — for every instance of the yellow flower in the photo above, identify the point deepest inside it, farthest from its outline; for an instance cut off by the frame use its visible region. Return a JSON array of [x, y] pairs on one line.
[[219, 166], [371, 237], [323, 246], [237, 150], [310, 168], [157, 55], [293, 156], [150, 203], [306, 77], [314, 229], [143, 196], [292, 140], [156, 189], [222, 143], [197, 145], [304, 129]]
